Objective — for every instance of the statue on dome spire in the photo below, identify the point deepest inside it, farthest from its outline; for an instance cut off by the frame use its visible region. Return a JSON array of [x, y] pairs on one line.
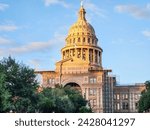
[[82, 3]]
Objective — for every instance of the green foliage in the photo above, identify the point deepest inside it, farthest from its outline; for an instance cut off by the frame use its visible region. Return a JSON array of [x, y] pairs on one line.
[[18, 92], [76, 98], [61, 100], [20, 85], [147, 83], [5, 104], [85, 109], [144, 102]]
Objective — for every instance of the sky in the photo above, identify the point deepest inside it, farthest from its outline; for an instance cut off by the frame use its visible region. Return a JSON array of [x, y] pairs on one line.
[[34, 31]]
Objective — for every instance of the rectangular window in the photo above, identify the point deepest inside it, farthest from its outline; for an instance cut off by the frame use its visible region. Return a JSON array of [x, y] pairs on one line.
[[115, 96], [118, 106], [92, 80], [118, 96], [136, 105], [49, 81], [53, 81], [93, 102], [92, 91], [124, 96], [125, 106]]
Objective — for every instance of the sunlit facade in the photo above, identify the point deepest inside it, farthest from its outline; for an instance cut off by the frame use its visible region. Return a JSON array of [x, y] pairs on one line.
[[81, 67]]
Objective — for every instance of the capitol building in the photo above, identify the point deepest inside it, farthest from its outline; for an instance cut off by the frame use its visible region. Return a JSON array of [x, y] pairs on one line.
[[81, 67]]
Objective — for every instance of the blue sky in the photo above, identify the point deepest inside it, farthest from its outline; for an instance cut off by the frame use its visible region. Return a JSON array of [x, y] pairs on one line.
[[33, 31]]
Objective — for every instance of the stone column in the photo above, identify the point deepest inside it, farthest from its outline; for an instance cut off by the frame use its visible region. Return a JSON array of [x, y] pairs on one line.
[[87, 55], [69, 52], [76, 52], [94, 56], [81, 53]]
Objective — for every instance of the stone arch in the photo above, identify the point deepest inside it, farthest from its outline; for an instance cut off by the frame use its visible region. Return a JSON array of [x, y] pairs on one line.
[[65, 82], [74, 86]]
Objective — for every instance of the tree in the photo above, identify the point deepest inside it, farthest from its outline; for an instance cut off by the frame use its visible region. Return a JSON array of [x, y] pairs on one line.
[[62, 100], [76, 98], [20, 85], [18, 92], [5, 104], [144, 102]]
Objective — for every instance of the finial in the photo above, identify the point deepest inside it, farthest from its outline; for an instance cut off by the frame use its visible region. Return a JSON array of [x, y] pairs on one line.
[[82, 3], [82, 12]]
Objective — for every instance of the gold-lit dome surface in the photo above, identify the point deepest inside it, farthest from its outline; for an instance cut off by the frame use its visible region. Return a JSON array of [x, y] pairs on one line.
[[81, 48], [81, 26]]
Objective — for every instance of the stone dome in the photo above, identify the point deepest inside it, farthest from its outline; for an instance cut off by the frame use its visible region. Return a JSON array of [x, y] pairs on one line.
[[81, 26], [81, 47]]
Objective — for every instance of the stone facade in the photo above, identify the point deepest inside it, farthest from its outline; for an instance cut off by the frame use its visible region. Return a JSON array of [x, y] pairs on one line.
[[126, 98], [81, 67]]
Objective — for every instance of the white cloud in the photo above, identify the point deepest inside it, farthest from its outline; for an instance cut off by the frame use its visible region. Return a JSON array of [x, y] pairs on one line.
[[60, 2], [134, 10], [37, 46], [10, 47], [3, 6], [8, 27], [31, 47], [35, 61], [4, 41], [146, 33], [94, 8]]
